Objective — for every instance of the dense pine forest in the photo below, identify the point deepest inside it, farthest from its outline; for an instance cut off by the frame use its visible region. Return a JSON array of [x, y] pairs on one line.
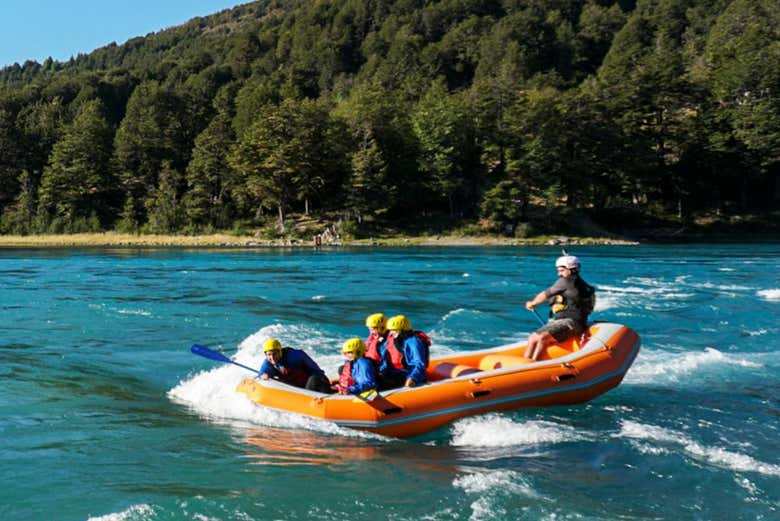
[[496, 116]]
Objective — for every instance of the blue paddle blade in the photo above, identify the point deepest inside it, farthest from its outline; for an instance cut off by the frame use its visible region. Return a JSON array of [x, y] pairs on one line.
[[208, 353], [215, 355]]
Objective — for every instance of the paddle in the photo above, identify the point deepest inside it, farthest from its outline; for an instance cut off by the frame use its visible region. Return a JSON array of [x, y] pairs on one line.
[[367, 396], [541, 320], [219, 357]]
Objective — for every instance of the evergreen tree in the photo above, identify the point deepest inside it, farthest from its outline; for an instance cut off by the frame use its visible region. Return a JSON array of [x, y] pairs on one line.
[[367, 190], [164, 203], [271, 156], [383, 118], [442, 126], [211, 182], [506, 203], [10, 157], [77, 182], [251, 101], [129, 221], [19, 217], [646, 88], [151, 132], [39, 126], [743, 54]]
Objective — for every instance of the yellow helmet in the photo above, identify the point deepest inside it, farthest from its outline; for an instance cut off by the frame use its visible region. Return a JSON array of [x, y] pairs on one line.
[[399, 323], [378, 321], [354, 345], [272, 344]]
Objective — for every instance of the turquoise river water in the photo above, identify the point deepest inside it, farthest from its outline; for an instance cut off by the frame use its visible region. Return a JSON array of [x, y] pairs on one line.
[[106, 415]]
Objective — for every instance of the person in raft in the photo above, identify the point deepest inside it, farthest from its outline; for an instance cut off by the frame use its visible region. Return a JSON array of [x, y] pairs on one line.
[[404, 355], [292, 366], [377, 333], [358, 374], [571, 300]]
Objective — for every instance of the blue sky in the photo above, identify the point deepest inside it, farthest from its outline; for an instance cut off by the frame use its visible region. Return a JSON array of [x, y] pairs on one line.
[[37, 29]]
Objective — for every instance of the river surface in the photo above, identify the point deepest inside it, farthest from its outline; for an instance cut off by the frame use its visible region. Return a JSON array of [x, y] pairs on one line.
[[106, 415]]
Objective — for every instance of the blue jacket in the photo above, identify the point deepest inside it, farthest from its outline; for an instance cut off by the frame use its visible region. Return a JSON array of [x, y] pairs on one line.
[[415, 360], [294, 368], [364, 375]]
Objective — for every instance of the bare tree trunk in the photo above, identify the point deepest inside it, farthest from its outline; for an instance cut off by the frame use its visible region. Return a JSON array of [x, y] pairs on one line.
[[281, 218]]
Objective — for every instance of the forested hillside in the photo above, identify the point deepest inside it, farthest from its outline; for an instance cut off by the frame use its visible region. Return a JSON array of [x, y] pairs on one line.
[[391, 113]]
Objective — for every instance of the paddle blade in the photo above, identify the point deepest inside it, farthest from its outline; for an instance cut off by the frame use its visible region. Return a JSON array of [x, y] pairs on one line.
[[368, 396], [208, 353]]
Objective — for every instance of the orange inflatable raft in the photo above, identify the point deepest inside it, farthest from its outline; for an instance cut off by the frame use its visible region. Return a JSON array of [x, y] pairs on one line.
[[468, 383]]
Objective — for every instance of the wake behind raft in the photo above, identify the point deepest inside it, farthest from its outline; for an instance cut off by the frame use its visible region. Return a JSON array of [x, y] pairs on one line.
[[465, 384]]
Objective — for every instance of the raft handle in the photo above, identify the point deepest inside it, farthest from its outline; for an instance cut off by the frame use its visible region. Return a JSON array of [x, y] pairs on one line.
[[392, 410], [477, 394], [564, 377]]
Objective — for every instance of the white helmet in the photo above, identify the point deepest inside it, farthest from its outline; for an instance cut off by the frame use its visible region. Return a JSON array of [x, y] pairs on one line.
[[568, 261]]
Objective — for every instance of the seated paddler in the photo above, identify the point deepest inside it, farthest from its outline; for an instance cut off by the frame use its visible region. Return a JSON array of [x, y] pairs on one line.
[[404, 355], [292, 366], [358, 374]]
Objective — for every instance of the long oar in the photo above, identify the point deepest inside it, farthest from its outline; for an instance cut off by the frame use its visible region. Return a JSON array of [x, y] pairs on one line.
[[219, 357]]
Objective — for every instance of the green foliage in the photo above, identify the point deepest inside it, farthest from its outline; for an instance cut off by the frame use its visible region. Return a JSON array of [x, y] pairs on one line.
[[284, 155], [128, 219], [443, 127], [506, 203], [77, 182], [400, 111], [19, 218], [164, 203], [212, 186]]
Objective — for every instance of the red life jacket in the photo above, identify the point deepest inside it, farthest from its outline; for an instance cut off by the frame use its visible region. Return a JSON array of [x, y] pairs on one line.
[[345, 378], [372, 347], [396, 356]]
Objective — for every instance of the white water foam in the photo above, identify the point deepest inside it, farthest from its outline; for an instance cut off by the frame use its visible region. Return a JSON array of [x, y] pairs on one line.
[[717, 456], [493, 430], [212, 393], [651, 293], [120, 311], [772, 295], [135, 512], [662, 367], [139, 312], [491, 488], [453, 313]]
